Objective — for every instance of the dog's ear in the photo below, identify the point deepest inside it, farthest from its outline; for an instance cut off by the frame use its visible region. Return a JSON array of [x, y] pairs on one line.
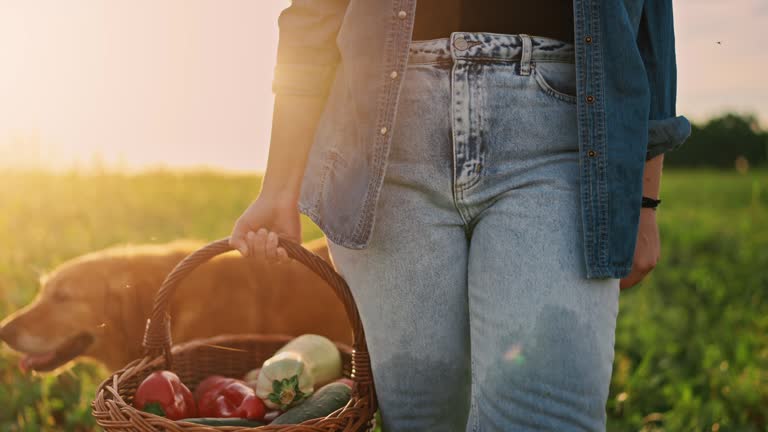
[[128, 301]]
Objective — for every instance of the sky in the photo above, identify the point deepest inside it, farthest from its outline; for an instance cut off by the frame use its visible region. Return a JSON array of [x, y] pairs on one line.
[[132, 84]]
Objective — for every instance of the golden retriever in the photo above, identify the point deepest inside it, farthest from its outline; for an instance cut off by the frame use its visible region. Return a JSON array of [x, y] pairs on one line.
[[96, 305]]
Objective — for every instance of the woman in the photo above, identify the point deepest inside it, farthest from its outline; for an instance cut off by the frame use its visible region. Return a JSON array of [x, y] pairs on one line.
[[502, 151]]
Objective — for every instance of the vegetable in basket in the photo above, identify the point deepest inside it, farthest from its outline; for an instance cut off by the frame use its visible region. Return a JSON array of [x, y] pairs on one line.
[[162, 393], [325, 401], [219, 396], [221, 422], [347, 381], [252, 377], [291, 375], [209, 383], [271, 415]]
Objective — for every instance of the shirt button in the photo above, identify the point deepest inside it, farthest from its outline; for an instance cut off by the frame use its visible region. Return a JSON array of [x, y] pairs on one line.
[[393, 75], [383, 131], [402, 14], [588, 39], [592, 153], [590, 99]]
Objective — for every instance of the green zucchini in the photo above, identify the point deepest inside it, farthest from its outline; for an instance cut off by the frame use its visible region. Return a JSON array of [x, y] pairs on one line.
[[326, 400], [218, 422]]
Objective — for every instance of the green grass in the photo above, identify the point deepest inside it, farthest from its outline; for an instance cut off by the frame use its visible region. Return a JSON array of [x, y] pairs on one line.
[[692, 340]]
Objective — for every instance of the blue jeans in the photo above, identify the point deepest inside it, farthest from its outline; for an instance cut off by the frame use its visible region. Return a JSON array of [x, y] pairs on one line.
[[472, 292]]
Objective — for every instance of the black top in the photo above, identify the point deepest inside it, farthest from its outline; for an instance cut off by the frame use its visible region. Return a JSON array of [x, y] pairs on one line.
[[549, 18]]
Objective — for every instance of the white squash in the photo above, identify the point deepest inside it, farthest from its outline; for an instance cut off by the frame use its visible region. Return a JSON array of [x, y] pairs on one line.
[[291, 375]]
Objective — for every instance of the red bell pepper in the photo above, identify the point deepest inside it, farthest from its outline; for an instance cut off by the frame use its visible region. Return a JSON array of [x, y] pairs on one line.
[[228, 397], [210, 383], [162, 393]]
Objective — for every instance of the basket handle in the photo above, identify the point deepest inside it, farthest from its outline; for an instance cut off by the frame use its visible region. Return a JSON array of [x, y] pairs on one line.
[[157, 335]]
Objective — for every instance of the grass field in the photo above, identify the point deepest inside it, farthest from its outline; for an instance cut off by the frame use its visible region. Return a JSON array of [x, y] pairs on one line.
[[692, 340]]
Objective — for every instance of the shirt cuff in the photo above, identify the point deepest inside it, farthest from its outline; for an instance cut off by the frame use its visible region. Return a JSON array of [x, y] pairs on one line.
[[302, 79], [666, 134]]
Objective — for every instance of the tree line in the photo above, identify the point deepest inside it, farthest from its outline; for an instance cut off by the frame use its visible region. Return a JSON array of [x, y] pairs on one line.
[[727, 141]]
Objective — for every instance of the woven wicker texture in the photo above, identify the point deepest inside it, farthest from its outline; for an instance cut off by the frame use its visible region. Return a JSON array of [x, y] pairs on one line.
[[231, 355]]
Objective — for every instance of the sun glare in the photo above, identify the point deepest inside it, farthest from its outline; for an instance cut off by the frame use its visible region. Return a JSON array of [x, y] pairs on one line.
[[126, 84], [186, 83]]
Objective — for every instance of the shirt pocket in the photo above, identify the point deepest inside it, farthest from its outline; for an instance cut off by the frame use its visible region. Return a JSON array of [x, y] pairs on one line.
[[557, 79]]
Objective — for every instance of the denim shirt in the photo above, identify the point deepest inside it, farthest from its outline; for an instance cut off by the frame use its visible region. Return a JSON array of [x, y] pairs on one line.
[[354, 54]]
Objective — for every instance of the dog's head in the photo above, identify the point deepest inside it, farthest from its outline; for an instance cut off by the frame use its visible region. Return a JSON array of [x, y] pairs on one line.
[[56, 327], [82, 309]]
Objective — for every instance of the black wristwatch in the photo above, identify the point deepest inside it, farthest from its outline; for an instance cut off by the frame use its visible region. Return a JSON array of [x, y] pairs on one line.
[[650, 203]]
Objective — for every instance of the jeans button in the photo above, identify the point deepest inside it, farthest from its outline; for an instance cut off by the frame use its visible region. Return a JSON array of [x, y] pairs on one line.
[[460, 43]]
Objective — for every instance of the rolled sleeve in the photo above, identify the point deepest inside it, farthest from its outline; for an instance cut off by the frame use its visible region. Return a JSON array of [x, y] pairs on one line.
[[667, 134], [656, 42], [307, 54]]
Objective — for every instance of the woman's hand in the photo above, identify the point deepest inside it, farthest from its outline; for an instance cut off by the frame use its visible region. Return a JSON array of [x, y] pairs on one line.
[[254, 234], [293, 126], [647, 250]]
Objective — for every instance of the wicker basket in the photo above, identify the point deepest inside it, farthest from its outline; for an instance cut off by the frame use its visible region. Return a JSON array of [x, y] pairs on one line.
[[231, 355]]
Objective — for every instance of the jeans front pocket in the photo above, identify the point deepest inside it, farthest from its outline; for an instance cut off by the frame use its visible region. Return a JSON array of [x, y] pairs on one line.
[[557, 79]]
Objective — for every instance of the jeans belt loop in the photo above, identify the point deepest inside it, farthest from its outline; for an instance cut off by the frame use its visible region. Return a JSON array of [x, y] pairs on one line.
[[525, 60]]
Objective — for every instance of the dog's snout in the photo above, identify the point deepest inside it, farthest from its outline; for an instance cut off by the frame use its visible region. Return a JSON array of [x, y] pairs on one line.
[[9, 330], [6, 332]]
